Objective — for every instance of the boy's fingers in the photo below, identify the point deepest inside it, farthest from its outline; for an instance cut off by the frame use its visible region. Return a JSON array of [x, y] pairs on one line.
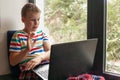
[[30, 43], [30, 35], [34, 42]]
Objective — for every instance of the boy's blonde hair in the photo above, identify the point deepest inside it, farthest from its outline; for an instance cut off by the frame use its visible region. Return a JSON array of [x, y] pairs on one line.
[[28, 8]]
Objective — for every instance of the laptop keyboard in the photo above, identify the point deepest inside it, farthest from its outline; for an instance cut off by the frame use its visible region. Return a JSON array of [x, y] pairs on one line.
[[44, 73]]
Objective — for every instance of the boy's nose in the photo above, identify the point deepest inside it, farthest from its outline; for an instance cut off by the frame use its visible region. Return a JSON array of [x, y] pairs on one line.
[[36, 22]]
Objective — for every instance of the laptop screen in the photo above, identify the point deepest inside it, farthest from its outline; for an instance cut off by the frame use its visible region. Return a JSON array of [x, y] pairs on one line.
[[71, 59]]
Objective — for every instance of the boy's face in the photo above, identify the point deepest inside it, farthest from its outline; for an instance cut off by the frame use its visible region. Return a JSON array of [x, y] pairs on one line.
[[31, 21]]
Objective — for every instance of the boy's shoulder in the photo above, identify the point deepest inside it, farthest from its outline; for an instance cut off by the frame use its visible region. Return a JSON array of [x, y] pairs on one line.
[[20, 32], [39, 32]]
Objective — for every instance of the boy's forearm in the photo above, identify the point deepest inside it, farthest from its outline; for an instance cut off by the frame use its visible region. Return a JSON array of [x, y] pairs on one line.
[[45, 56], [16, 58]]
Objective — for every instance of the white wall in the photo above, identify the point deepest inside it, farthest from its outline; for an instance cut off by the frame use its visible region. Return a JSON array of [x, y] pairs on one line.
[[40, 4], [9, 20]]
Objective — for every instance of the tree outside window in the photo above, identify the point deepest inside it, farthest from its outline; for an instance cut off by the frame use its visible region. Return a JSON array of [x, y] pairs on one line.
[[66, 19], [113, 37]]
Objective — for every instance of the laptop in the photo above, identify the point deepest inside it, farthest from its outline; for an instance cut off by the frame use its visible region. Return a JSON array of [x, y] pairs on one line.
[[42, 70], [70, 59]]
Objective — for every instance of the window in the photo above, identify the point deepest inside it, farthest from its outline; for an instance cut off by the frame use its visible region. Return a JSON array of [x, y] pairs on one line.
[[66, 20], [98, 23], [113, 37], [98, 27]]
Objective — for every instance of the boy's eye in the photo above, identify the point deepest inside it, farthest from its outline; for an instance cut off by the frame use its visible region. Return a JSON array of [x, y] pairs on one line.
[[32, 19], [35, 19], [38, 19]]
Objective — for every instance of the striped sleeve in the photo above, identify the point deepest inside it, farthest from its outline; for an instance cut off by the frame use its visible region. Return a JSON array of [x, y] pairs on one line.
[[15, 45], [43, 36]]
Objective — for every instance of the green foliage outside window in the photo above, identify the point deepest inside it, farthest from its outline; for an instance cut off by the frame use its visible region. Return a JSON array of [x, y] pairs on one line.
[[66, 19], [113, 36]]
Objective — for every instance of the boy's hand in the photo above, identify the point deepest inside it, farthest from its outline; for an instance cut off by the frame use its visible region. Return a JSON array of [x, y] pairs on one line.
[[32, 63], [30, 43]]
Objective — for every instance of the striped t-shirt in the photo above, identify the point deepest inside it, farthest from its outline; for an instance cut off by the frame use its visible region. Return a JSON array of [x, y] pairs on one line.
[[19, 43]]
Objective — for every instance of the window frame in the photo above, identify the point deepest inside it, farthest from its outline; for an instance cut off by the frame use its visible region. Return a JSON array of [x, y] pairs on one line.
[[96, 28], [97, 16]]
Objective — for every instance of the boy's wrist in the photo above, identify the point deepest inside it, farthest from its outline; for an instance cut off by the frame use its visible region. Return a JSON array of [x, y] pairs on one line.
[[27, 50], [42, 57]]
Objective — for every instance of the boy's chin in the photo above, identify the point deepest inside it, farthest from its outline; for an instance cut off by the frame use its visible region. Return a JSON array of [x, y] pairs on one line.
[[34, 30]]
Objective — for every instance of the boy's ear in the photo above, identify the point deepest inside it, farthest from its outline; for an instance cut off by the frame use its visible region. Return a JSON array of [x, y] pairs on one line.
[[23, 19]]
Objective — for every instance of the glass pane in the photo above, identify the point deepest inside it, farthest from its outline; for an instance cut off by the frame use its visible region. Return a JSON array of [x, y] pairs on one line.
[[66, 20], [113, 37]]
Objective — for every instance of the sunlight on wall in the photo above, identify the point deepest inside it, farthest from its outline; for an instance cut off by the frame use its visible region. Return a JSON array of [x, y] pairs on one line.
[[10, 19]]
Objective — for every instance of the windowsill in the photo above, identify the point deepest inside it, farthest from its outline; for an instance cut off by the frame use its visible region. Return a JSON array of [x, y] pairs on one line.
[[111, 76]]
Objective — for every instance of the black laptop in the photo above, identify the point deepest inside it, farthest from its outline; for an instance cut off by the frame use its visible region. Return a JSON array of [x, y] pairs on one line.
[[71, 59]]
